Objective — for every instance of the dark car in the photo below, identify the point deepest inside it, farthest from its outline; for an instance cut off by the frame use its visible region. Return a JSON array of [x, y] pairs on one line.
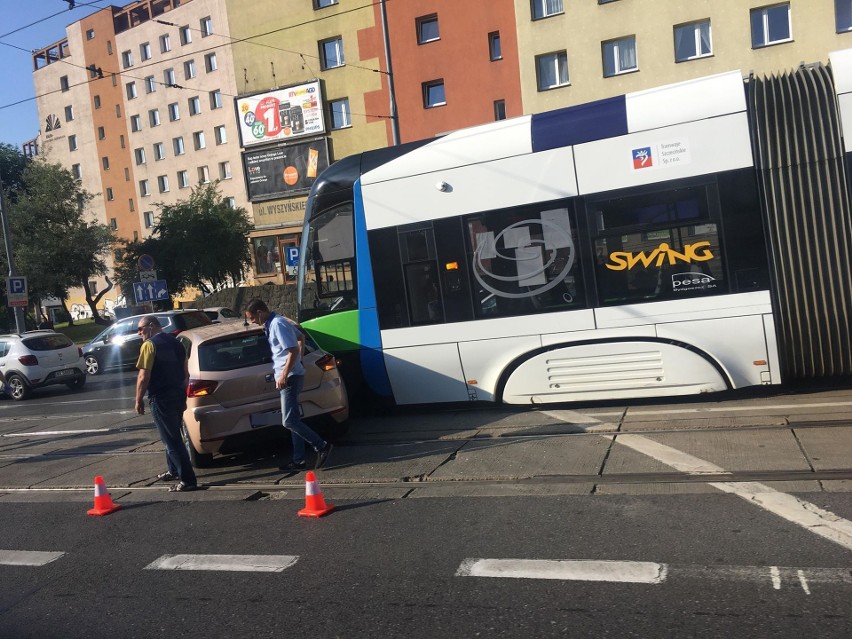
[[118, 346]]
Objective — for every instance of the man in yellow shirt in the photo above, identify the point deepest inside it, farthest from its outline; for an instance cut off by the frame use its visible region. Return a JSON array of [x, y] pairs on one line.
[[164, 373]]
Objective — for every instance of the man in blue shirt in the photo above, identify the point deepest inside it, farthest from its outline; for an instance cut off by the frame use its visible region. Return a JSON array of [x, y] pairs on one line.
[[286, 343]]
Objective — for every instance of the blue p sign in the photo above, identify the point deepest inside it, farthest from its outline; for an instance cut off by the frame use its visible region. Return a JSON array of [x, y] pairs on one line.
[[17, 285], [292, 255]]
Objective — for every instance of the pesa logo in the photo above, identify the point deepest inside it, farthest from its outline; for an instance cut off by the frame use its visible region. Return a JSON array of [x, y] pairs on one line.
[[692, 281]]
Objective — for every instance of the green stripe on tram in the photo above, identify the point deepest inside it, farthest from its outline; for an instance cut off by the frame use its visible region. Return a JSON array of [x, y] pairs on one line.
[[335, 333]]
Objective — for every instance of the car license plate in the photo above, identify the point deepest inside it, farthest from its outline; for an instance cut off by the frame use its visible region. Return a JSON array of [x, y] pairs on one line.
[[65, 373]]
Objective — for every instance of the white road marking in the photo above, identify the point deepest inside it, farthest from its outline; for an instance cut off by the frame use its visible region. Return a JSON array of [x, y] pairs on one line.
[[58, 432], [635, 572], [798, 511], [232, 563], [27, 557], [651, 573], [730, 409]]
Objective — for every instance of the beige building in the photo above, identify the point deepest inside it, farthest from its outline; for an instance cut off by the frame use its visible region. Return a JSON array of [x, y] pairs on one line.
[[575, 52]]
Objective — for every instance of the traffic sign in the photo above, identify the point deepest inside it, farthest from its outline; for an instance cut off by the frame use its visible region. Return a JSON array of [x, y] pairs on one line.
[[150, 291], [16, 291], [145, 262], [292, 256], [147, 276]]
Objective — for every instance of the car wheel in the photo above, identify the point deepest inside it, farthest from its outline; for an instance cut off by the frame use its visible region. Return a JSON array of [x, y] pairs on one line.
[[18, 388], [77, 384], [93, 366], [199, 460]]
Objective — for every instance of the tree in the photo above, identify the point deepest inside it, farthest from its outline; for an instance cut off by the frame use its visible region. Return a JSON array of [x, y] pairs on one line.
[[12, 165], [55, 246], [199, 242]]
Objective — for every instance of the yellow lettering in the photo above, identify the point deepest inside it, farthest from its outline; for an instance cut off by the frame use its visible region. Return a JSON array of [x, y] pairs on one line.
[[698, 252], [618, 260], [704, 255]]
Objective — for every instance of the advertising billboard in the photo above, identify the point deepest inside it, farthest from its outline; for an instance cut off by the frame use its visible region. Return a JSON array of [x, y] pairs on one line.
[[284, 170], [282, 114]]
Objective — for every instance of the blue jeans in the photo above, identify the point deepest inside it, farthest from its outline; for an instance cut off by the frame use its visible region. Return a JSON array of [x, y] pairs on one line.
[[300, 431], [167, 413]]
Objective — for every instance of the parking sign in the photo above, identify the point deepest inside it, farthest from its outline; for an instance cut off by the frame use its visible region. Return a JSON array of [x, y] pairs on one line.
[[16, 291]]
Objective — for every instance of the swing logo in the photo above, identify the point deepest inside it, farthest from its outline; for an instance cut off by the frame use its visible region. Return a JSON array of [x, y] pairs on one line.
[[642, 158], [622, 260]]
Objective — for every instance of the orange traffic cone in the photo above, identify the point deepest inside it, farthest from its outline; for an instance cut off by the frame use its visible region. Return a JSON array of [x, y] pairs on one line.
[[315, 505], [103, 501]]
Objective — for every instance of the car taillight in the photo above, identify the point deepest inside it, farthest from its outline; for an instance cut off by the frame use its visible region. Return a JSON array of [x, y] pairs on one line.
[[28, 360], [327, 362], [200, 388]]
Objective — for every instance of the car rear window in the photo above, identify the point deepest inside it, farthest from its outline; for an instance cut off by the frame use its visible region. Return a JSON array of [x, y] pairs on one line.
[[236, 352], [192, 320], [47, 342]]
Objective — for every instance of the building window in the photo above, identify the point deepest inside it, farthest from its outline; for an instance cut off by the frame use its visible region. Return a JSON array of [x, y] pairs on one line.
[[189, 69], [552, 70], [118, 111], [101, 133], [174, 112], [163, 183], [433, 94], [90, 34], [149, 219], [145, 51], [206, 26], [619, 56], [159, 151], [97, 102], [331, 53], [210, 63], [194, 105], [150, 84], [221, 134], [320, 4], [183, 179], [126, 174], [165, 43], [144, 189], [495, 50], [131, 90], [105, 163], [198, 140], [169, 77], [177, 145], [770, 25], [338, 111], [110, 196], [126, 59], [139, 154], [135, 123], [154, 117], [76, 172], [499, 109], [203, 174], [185, 35], [225, 170], [427, 29], [69, 113], [843, 15], [109, 47], [692, 41], [121, 140], [232, 202], [72, 142], [113, 224], [130, 204], [63, 83], [545, 8]]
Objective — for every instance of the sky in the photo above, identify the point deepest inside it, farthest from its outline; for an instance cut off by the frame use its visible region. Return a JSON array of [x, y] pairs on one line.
[[19, 123]]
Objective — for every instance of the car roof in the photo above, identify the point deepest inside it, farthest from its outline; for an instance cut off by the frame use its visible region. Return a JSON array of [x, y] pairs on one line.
[[215, 331], [182, 311]]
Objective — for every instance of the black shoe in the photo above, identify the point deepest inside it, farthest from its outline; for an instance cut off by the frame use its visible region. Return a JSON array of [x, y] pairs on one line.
[[293, 467], [181, 487], [322, 455], [166, 476]]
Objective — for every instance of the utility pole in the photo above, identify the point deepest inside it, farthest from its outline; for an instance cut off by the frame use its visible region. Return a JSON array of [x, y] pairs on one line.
[[393, 114], [20, 321]]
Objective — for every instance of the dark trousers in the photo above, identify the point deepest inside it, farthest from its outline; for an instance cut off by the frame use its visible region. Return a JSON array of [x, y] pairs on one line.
[[167, 413]]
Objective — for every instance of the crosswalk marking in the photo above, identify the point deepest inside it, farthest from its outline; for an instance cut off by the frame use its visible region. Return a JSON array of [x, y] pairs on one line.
[[233, 563], [27, 557], [636, 572]]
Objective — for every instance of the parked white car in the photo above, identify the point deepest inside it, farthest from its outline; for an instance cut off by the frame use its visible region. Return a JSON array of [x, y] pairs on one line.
[[40, 358], [222, 314]]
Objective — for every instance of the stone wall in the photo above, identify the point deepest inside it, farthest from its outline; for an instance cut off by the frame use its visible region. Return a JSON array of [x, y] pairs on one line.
[[281, 299]]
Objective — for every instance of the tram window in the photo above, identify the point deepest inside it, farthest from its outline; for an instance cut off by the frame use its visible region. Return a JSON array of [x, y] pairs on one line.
[[524, 260], [424, 296], [688, 204], [330, 260]]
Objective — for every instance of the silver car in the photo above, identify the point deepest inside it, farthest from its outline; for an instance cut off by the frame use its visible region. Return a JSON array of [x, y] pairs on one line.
[[40, 358]]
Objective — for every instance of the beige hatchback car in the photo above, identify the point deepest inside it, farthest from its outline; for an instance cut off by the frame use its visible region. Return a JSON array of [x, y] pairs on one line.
[[232, 389]]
